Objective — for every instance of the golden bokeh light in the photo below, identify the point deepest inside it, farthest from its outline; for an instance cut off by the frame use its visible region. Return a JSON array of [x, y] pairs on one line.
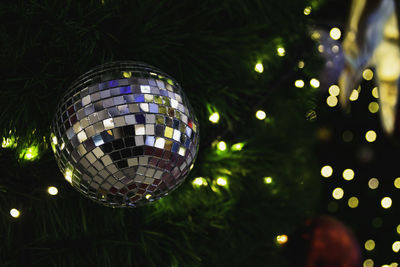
[[337, 193], [353, 202], [214, 118], [386, 202], [335, 33], [334, 90], [375, 92], [301, 64], [373, 107], [332, 101], [281, 51], [396, 246], [348, 174], [307, 10], [368, 263], [314, 83], [260, 114], [373, 183], [326, 171], [397, 182], [370, 136], [354, 95], [15, 213], [259, 68], [268, 180], [398, 229], [368, 74], [52, 190], [369, 245], [299, 83], [282, 239]]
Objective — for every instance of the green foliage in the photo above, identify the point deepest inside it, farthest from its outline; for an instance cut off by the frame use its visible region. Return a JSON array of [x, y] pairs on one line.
[[211, 48]]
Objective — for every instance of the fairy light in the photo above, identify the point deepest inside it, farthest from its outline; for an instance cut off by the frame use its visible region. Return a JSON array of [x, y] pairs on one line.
[[214, 118], [259, 67], [15, 213], [280, 51], [375, 92], [221, 181], [335, 33], [368, 74], [334, 90], [369, 245], [373, 183], [307, 10], [370, 136], [52, 190], [221, 146], [386, 202], [338, 193], [268, 180], [332, 101], [326, 171], [299, 83], [260, 114], [282, 239], [348, 174], [314, 83], [373, 107]]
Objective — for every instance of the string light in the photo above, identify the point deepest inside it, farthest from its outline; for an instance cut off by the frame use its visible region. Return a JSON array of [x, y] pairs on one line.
[[314, 83], [267, 180], [337, 193], [259, 67], [370, 136], [199, 181], [375, 92], [369, 245], [373, 107], [353, 202], [221, 146], [354, 95], [331, 101], [368, 74], [368, 263], [52, 190], [348, 174], [335, 33], [15, 213], [281, 51], [396, 246], [373, 183], [260, 114], [299, 83], [334, 90], [307, 10], [386, 202], [326, 171], [214, 118], [221, 181], [237, 147], [282, 239]]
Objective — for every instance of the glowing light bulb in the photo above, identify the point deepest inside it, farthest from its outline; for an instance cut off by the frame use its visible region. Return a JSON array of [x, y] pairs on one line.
[[353, 202], [221, 146], [221, 181], [338, 193], [282, 239], [386, 202], [259, 67], [373, 107], [335, 33], [52, 190], [368, 74], [237, 147], [267, 180], [348, 174], [370, 136], [299, 83], [307, 10], [369, 245], [331, 101], [334, 90], [260, 114], [326, 171], [15, 213], [281, 51], [373, 183], [214, 118], [314, 83]]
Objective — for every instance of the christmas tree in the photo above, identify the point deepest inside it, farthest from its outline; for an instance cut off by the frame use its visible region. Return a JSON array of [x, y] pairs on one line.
[[250, 69]]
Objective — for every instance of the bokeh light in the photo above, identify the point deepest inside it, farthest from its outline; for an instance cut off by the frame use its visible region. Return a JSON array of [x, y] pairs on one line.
[[354, 95], [282, 239], [373, 183], [280, 51], [335, 33], [368, 74], [307, 10], [334, 90], [396, 246], [370, 136], [368, 263], [221, 146], [326, 171], [348, 174], [259, 67], [338, 193], [314, 83], [268, 180], [369, 245], [375, 92], [214, 118], [260, 114], [397, 182], [331, 100], [373, 107], [52, 190], [221, 181], [386, 202], [299, 83]]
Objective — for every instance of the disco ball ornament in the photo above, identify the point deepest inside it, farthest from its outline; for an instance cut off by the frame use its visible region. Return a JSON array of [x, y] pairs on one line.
[[125, 134]]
